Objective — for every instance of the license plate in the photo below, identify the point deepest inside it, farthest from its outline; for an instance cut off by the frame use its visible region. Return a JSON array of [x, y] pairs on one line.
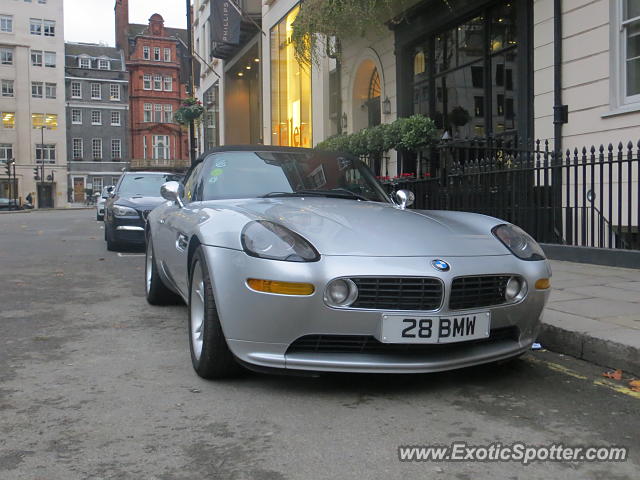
[[441, 329]]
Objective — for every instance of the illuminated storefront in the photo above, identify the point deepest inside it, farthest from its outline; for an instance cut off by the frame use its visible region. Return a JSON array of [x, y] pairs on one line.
[[290, 90]]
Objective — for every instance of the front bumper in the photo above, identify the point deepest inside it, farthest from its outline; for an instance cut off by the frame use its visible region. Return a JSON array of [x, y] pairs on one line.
[[128, 230], [260, 327]]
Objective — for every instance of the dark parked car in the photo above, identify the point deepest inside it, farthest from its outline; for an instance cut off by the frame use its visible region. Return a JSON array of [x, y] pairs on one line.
[[9, 204], [126, 210]]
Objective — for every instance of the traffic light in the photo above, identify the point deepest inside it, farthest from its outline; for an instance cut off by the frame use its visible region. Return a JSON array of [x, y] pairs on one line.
[[36, 173], [7, 166]]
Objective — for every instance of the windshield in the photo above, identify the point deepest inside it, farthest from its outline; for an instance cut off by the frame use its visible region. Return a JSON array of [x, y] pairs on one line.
[[259, 174], [144, 185]]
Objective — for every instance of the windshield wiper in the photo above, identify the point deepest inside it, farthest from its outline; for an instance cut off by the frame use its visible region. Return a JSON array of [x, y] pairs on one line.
[[337, 193]]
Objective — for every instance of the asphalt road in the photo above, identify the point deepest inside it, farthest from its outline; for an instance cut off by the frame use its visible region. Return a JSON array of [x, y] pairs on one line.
[[96, 384]]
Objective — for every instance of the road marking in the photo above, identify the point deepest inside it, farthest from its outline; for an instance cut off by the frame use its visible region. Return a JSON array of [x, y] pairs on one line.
[[599, 382], [130, 254]]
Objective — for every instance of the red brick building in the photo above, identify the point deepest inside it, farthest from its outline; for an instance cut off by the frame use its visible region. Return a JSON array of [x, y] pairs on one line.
[[156, 58]]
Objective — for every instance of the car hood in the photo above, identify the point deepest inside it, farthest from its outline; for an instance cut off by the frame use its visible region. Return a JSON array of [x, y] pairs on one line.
[[348, 227], [139, 203]]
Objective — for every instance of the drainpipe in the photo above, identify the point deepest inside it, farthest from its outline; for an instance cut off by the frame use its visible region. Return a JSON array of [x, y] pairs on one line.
[[560, 116]]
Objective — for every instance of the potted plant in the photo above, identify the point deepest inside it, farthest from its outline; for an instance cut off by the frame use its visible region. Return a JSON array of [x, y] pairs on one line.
[[190, 110]]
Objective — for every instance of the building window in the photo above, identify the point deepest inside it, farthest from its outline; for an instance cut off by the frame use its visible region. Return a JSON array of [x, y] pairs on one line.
[[76, 116], [77, 148], [84, 62], [157, 82], [148, 112], [97, 184], [161, 147], [96, 92], [6, 56], [50, 59], [104, 64], [168, 84], [157, 117], [8, 119], [51, 90], [45, 153], [35, 26], [36, 58], [6, 152], [116, 119], [114, 92], [37, 90], [291, 89], [627, 26], [76, 90], [49, 28], [116, 149], [167, 54], [44, 120], [144, 148], [156, 54], [146, 85], [146, 53], [96, 117], [168, 114], [6, 24], [7, 88], [96, 148]]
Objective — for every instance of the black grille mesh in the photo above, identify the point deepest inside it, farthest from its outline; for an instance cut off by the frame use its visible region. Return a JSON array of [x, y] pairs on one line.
[[477, 291], [369, 344], [398, 293]]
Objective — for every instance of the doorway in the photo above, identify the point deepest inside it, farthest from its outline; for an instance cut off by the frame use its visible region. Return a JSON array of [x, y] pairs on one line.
[[45, 195], [78, 190]]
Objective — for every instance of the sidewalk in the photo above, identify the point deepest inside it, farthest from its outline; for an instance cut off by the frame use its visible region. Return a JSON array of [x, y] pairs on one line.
[[594, 314]]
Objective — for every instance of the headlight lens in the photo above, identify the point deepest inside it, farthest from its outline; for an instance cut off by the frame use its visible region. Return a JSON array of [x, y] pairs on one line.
[[341, 292], [269, 240], [122, 211], [515, 290], [519, 242]]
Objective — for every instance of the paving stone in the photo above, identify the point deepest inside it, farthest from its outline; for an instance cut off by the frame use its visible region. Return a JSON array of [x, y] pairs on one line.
[[607, 292], [596, 307]]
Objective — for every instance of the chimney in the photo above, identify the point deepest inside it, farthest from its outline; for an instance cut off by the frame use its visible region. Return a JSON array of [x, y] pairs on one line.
[[122, 26]]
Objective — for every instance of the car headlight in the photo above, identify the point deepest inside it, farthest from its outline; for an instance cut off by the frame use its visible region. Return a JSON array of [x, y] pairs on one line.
[[519, 242], [122, 211], [269, 240]]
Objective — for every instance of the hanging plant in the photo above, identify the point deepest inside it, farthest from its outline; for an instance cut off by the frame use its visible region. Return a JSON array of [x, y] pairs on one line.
[[190, 110]]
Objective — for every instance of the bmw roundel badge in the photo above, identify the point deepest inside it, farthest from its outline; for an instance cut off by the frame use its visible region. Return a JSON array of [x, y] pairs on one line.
[[440, 265]]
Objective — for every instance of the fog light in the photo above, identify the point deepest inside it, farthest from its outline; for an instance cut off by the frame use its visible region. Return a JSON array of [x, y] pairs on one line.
[[515, 290], [282, 288], [543, 284], [341, 293]]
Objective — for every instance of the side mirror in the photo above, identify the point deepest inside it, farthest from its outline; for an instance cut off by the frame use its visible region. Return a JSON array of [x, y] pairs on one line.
[[172, 191], [404, 198], [110, 190]]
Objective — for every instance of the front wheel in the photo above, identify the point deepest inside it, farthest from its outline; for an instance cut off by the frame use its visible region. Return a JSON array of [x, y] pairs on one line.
[[157, 292], [112, 245], [210, 353]]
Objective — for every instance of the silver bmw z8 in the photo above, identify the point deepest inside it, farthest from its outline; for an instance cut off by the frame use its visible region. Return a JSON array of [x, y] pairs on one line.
[[292, 259]]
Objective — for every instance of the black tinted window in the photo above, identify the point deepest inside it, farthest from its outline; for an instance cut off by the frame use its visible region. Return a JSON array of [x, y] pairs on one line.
[[146, 185]]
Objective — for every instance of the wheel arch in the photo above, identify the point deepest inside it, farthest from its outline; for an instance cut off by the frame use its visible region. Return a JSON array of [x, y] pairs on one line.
[[194, 243]]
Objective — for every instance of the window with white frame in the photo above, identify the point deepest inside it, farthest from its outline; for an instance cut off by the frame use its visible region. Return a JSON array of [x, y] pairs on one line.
[[167, 54], [148, 112], [50, 90], [35, 26], [168, 114], [96, 148], [168, 84], [96, 91], [96, 117], [6, 23], [625, 73], [157, 117], [146, 53], [6, 56], [50, 59], [84, 62], [36, 58], [37, 90], [116, 118], [76, 90], [156, 54], [104, 64], [97, 184], [114, 92], [76, 116], [49, 28], [144, 147], [77, 148], [116, 149], [45, 153], [157, 82], [7, 88], [161, 149], [146, 82], [6, 152]]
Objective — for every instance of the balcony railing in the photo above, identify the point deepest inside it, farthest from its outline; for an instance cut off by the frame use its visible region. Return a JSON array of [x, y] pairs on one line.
[[159, 164]]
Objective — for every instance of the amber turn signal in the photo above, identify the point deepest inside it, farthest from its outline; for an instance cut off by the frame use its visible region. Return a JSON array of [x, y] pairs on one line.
[[543, 284], [282, 288]]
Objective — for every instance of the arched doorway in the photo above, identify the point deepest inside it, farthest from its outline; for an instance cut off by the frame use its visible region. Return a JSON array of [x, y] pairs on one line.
[[373, 101], [367, 91]]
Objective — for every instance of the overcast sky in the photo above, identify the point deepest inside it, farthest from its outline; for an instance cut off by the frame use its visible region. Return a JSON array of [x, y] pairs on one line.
[[93, 20]]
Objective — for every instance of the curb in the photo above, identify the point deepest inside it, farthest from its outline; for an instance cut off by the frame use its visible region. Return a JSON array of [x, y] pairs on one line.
[[12, 212], [599, 347]]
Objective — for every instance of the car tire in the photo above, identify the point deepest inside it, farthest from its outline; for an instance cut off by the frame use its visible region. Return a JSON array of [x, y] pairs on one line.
[[99, 218], [112, 245], [157, 292], [210, 353]]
